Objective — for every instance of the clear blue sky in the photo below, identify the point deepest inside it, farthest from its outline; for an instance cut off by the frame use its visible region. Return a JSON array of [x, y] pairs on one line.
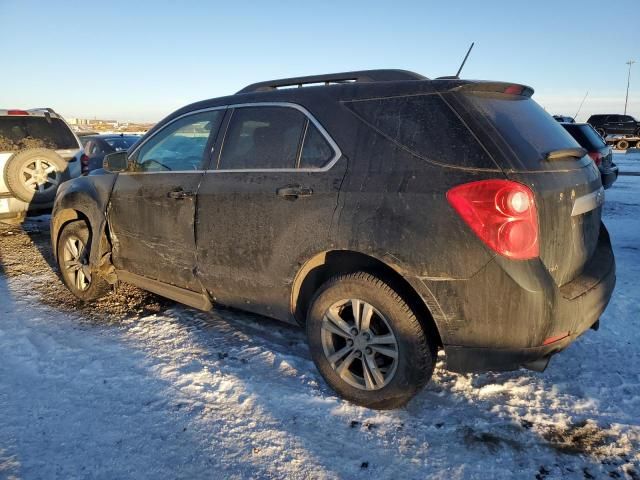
[[139, 60]]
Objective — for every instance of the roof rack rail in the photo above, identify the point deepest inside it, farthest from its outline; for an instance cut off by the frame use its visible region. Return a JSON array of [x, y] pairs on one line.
[[389, 75], [47, 109]]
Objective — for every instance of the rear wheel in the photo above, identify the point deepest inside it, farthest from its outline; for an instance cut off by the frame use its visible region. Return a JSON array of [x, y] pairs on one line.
[[367, 343], [74, 248], [622, 145]]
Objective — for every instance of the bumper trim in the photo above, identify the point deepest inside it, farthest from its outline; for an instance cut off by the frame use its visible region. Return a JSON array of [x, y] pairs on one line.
[[477, 359]]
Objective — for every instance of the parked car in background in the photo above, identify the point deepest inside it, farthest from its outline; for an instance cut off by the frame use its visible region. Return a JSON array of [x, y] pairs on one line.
[[38, 151], [597, 148], [97, 146], [564, 119], [614, 125], [389, 214]]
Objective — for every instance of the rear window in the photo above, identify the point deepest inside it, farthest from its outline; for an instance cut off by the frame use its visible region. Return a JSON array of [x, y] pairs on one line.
[[35, 132], [425, 125], [121, 143], [524, 125], [586, 136]]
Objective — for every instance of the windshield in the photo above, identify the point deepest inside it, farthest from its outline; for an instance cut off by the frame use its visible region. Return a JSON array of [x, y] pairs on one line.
[[524, 125]]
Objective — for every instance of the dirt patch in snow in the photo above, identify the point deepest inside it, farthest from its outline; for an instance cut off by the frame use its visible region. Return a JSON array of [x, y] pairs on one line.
[[26, 250]]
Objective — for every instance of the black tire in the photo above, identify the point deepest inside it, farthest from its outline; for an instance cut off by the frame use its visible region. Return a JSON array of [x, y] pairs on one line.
[[416, 351], [601, 132], [33, 175], [622, 145], [94, 286]]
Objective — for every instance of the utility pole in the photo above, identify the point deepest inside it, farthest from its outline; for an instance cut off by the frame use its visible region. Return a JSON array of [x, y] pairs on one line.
[[630, 62]]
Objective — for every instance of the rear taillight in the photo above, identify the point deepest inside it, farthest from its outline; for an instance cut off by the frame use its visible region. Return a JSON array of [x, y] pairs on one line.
[[502, 213], [17, 112], [596, 157], [84, 164]]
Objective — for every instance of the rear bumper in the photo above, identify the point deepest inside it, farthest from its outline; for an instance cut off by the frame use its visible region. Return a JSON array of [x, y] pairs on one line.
[[11, 207], [512, 314]]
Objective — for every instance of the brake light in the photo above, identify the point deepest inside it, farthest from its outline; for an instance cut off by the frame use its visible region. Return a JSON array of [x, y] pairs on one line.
[[514, 90], [84, 164], [17, 112], [502, 213], [596, 157]]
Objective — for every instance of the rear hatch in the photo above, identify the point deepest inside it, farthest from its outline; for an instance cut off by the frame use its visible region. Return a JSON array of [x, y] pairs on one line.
[[533, 149], [37, 131]]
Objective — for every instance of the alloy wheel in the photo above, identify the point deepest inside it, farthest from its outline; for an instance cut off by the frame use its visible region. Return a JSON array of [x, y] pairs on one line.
[[359, 344], [76, 263], [40, 176]]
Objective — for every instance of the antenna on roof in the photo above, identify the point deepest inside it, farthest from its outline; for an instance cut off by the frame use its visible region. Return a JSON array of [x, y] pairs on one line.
[[465, 60], [581, 103]]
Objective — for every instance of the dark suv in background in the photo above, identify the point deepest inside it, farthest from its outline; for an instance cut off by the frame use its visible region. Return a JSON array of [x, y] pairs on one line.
[[597, 149], [615, 125], [389, 214]]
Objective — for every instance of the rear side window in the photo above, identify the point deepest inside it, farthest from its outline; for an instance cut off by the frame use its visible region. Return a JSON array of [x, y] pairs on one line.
[[262, 138], [316, 151], [586, 136], [35, 132], [524, 125], [425, 125]]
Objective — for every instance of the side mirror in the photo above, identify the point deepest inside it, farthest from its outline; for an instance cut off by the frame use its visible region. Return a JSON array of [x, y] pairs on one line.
[[115, 162]]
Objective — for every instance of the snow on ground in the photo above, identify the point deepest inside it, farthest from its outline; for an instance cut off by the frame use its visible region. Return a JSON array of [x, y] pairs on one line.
[[187, 394], [629, 162]]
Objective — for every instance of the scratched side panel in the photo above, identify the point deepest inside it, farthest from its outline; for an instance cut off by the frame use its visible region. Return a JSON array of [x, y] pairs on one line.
[[152, 234]]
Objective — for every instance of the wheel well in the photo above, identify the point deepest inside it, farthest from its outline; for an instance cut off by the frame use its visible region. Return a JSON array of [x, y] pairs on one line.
[[337, 262], [61, 219]]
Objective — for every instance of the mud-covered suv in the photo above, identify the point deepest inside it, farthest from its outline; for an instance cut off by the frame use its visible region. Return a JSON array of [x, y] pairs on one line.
[[389, 214], [38, 151]]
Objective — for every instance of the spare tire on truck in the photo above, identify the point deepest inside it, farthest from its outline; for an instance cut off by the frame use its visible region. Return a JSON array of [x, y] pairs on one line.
[[33, 175]]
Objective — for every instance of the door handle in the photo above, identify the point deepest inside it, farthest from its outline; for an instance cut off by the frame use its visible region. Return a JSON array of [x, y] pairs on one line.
[[292, 192], [179, 194]]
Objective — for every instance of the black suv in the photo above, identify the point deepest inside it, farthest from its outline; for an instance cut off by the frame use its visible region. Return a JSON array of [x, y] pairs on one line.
[[389, 214], [615, 125]]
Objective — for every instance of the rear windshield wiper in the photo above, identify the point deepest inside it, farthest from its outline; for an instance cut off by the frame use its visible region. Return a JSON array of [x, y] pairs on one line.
[[565, 152]]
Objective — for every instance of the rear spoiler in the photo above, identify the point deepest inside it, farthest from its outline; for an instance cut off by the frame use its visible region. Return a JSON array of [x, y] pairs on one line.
[[495, 87]]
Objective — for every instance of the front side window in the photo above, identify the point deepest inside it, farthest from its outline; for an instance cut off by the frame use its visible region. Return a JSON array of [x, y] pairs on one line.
[[262, 138], [180, 145]]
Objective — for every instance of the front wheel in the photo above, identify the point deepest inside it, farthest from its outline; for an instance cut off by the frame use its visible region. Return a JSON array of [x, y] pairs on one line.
[[74, 247], [367, 343]]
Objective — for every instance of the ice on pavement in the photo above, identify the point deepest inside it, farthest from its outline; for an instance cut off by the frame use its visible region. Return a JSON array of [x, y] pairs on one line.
[[186, 394]]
